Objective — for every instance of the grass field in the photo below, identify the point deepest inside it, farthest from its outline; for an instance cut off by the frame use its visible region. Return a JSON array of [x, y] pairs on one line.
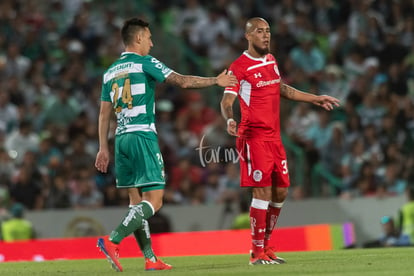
[[388, 261]]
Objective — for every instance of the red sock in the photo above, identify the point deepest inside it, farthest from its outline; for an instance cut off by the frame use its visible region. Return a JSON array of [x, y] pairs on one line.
[[258, 211], [271, 219]]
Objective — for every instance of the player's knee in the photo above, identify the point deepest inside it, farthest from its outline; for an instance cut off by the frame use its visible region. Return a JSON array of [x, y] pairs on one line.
[[157, 205], [280, 194], [262, 193]]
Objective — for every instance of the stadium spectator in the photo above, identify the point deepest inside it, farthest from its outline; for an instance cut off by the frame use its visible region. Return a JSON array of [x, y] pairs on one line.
[[9, 116], [215, 137], [220, 53], [196, 115], [390, 235], [367, 182], [372, 146], [358, 20], [405, 222], [301, 119], [212, 188], [324, 16], [88, 195], [206, 31], [28, 183], [17, 228], [49, 157], [61, 109], [397, 82], [308, 57], [58, 195], [190, 16], [7, 167], [351, 164], [333, 82], [282, 41], [229, 184], [184, 179], [77, 153], [21, 140], [320, 133], [340, 44], [393, 51], [328, 170], [392, 183], [16, 64]]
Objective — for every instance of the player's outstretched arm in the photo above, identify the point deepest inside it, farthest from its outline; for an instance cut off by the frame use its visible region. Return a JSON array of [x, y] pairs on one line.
[[187, 81], [327, 102]]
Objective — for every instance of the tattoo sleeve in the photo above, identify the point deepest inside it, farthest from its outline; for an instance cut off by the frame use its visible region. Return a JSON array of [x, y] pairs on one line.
[[294, 94], [185, 81], [287, 91]]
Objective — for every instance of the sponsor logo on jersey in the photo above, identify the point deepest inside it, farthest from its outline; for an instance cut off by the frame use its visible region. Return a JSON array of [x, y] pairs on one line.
[[121, 67], [266, 83], [257, 75]]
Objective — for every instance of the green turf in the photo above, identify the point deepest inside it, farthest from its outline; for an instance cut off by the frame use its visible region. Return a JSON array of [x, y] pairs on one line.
[[387, 261]]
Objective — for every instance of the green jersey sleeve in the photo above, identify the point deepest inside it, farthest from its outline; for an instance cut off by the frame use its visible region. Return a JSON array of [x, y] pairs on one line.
[[156, 69], [105, 92]]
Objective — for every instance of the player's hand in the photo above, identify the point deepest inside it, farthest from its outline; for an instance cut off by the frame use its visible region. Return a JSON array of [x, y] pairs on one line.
[[232, 127], [225, 79], [327, 102], [102, 161]]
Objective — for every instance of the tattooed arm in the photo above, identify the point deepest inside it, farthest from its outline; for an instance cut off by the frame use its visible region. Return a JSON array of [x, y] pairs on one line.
[[186, 81], [327, 102]]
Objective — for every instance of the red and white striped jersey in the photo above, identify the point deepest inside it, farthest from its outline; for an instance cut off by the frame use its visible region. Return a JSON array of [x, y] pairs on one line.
[[258, 90]]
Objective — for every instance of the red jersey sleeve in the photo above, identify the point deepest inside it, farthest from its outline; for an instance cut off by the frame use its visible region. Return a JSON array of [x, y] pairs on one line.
[[237, 73]]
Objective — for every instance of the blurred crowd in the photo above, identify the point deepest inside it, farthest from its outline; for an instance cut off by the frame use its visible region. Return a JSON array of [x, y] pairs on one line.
[[53, 53]]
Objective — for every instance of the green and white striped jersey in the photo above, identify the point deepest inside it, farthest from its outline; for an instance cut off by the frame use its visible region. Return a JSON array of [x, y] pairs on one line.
[[129, 83]]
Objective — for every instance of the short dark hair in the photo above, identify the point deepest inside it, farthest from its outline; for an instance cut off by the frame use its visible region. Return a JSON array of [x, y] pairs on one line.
[[130, 27]]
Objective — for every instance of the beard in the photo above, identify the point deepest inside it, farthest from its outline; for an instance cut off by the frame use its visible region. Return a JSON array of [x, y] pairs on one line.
[[261, 51]]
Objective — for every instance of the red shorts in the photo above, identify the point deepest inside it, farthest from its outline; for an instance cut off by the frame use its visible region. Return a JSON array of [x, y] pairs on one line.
[[262, 163]]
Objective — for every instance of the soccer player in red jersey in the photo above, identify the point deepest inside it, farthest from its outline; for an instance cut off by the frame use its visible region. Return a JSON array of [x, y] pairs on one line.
[[263, 164]]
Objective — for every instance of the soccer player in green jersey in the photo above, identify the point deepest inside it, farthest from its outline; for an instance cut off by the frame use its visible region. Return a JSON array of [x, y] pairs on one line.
[[128, 90]]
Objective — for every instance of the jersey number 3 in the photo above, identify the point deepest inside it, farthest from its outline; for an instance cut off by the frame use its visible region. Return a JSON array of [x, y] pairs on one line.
[[126, 95]]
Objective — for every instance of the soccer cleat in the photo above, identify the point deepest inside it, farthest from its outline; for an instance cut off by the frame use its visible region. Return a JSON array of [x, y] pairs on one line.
[[157, 265], [270, 252], [261, 259], [111, 252]]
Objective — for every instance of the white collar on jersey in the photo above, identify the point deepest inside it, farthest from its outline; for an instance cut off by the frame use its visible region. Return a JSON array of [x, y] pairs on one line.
[[125, 53], [262, 59]]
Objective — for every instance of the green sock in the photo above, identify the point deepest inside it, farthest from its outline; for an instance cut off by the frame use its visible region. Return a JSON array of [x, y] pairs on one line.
[[132, 221], [143, 237]]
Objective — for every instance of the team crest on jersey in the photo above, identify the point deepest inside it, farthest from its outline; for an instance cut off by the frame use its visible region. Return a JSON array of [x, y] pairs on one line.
[[257, 175]]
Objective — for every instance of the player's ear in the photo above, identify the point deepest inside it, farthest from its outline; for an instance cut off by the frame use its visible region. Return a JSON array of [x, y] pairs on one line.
[[138, 37]]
